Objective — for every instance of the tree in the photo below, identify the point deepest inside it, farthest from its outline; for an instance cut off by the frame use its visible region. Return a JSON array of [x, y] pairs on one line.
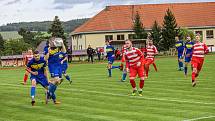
[[184, 32], [28, 36], [1, 44], [138, 28], [156, 35], [15, 46], [56, 29], [168, 31]]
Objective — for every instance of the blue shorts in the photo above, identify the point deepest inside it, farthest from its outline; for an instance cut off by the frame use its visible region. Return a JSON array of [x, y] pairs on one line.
[[41, 79], [64, 68], [55, 70], [110, 60], [187, 59], [180, 55]]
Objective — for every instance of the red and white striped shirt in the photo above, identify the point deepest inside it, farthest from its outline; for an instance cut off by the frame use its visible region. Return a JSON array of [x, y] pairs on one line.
[[28, 58], [133, 57], [151, 51], [199, 50]]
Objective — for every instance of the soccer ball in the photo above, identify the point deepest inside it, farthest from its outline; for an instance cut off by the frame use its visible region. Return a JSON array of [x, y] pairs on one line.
[[58, 42]]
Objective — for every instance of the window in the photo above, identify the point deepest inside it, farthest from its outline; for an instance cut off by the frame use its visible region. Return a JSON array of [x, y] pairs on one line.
[[74, 47], [120, 37], [209, 34], [80, 47], [108, 37], [198, 32], [131, 36]]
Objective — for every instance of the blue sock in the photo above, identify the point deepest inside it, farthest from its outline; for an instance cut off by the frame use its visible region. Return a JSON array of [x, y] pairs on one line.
[[180, 64], [185, 70], [109, 72], [113, 67], [124, 76], [52, 89], [33, 89], [67, 77]]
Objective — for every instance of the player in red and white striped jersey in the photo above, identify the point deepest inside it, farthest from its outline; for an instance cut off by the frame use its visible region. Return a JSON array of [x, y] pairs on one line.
[[199, 51], [134, 64], [27, 58], [151, 51], [123, 68]]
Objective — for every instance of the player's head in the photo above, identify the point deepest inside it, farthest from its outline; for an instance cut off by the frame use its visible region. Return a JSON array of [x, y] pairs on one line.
[[30, 51], [188, 38], [176, 38], [107, 42], [128, 44], [198, 37], [149, 41], [36, 55], [89, 46]]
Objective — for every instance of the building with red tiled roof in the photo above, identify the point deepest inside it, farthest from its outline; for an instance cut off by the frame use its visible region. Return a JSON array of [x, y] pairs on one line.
[[116, 22]]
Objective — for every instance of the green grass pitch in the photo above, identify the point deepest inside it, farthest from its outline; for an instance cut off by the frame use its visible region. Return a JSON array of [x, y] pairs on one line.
[[167, 95]]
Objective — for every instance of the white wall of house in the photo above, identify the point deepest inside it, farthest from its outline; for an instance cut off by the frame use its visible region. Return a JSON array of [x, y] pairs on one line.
[[96, 40], [81, 42]]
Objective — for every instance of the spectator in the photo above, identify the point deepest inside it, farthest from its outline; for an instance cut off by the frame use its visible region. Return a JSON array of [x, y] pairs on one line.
[[90, 52]]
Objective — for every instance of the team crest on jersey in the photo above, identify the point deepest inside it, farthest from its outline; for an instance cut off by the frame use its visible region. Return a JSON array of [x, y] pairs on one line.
[[37, 66], [178, 44], [61, 56], [52, 52], [189, 45]]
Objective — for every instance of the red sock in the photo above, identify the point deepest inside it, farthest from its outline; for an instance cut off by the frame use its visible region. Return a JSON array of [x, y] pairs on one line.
[[141, 84], [147, 72], [193, 76], [25, 78], [133, 84], [155, 67]]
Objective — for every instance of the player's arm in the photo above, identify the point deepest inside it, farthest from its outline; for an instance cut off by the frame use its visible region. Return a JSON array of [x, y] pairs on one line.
[[65, 59], [183, 54], [206, 49], [63, 48], [32, 72], [46, 53]]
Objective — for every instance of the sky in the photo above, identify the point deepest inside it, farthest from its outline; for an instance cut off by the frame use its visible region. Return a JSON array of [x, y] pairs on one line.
[[13, 11]]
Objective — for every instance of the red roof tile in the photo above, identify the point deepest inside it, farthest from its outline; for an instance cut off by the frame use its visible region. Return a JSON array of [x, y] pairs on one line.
[[119, 17]]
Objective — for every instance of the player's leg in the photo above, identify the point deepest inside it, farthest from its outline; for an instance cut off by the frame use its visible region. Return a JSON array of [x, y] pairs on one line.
[[199, 68], [64, 68], [147, 64], [180, 62], [141, 84], [132, 76], [44, 83], [55, 80], [155, 67], [25, 77], [194, 65], [33, 90]]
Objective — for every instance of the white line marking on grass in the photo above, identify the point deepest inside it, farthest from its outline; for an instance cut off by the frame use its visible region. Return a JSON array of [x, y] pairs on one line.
[[195, 119], [121, 95]]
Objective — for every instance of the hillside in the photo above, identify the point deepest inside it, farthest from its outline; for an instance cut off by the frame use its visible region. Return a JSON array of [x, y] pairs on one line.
[[42, 26]]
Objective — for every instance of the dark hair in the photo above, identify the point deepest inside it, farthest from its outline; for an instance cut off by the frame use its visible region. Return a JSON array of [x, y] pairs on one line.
[[36, 52]]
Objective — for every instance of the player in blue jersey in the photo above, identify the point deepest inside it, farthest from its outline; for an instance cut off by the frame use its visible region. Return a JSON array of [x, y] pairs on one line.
[[188, 49], [64, 64], [39, 74], [180, 48], [110, 56], [52, 56]]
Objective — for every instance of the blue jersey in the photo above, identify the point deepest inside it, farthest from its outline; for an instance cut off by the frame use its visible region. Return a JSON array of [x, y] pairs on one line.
[[189, 47], [110, 51], [38, 66], [53, 56], [179, 46], [63, 56]]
